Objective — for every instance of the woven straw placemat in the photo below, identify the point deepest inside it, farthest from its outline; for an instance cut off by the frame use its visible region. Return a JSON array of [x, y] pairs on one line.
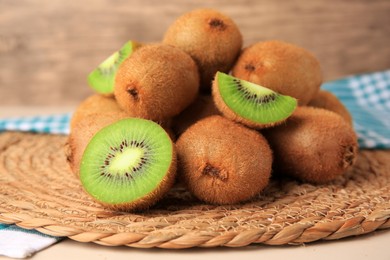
[[38, 191]]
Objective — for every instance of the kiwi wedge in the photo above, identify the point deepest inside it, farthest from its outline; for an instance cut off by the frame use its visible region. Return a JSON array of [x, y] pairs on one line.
[[102, 78], [129, 165], [250, 104]]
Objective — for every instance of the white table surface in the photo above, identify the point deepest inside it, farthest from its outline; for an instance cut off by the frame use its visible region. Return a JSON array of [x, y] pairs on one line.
[[373, 246]]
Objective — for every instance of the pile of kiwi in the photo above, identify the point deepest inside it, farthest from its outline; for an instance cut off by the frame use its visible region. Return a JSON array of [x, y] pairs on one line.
[[198, 109]]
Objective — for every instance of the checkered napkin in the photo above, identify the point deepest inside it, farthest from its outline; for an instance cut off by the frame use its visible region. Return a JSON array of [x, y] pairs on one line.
[[366, 96], [54, 124], [21, 243], [16, 242]]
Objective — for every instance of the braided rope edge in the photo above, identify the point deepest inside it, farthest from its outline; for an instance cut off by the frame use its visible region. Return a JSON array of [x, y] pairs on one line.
[[298, 233]]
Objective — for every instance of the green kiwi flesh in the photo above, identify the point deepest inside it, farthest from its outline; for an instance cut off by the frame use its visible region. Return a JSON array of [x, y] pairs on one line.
[[102, 78], [252, 102], [128, 164]]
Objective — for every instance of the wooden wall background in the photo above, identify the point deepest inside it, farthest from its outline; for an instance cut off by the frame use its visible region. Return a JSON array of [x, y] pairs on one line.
[[47, 47]]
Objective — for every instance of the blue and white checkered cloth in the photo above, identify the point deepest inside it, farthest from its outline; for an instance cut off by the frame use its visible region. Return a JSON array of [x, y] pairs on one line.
[[16, 242], [54, 124], [366, 96]]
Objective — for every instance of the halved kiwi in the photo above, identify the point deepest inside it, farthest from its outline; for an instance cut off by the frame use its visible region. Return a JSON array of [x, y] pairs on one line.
[[249, 103], [102, 78], [129, 164]]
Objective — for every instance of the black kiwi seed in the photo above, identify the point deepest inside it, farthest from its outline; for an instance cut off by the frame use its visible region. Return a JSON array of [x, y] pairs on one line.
[[253, 96], [123, 145]]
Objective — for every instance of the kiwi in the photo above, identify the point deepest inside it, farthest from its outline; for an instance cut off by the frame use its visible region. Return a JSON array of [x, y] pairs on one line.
[[250, 104], [211, 38], [314, 145], [157, 82], [326, 100], [95, 104], [202, 107], [223, 162], [283, 67], [129, 165], [102, 78], [82, 132]]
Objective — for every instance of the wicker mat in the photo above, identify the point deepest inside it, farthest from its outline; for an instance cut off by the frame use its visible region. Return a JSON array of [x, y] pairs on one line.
[[38, 191]]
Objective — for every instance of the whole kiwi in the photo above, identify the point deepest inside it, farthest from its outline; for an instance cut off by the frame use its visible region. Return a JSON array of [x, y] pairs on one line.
[[223, 162], [201, 108], [327, 100], [283, 67], [156, 82], [95, 104], [314, 145], [211, 38]]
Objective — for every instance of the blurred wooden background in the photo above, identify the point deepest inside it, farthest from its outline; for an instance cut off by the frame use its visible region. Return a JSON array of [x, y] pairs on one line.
[[47, 47]]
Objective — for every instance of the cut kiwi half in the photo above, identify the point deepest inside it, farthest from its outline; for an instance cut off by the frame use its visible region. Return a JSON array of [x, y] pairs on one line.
[[129, 164], [250, 104], [103, 77]]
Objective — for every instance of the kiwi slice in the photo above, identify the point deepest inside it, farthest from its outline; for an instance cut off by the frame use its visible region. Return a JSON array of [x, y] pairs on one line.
[[103, 77], [129, 164], [249, 103]]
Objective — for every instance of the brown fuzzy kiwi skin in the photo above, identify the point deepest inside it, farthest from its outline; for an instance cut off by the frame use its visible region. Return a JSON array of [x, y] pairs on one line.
[[201, 108], [157, 82], [212, 39], [153, 197], [230, 114], [222, 162], [95, 104], [314, 145], [82, 132], [283, 67], [327, 100]]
